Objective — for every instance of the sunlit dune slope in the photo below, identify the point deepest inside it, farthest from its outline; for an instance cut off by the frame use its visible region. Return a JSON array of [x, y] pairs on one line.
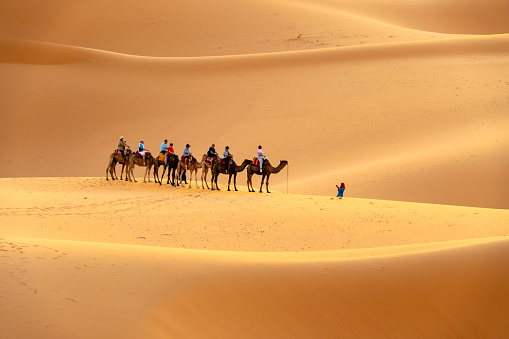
[[94, 210], [442, 16], [69, 289], [417, 121]]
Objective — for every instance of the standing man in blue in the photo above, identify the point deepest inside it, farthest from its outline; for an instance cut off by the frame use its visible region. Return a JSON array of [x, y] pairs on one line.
[[340, 190]]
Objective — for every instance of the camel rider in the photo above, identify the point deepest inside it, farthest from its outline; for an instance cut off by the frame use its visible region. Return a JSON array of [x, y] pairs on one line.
[[164, 146], [122, 145], [261, 156], [187, 154], [170, 153], [143, 151], [212, 151], [227, 157]]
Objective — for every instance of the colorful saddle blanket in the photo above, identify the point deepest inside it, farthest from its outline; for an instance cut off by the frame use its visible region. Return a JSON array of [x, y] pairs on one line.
[[256, 162], [210, 160]]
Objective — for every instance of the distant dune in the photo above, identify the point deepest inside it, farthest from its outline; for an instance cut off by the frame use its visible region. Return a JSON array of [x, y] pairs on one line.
[[405, 102]]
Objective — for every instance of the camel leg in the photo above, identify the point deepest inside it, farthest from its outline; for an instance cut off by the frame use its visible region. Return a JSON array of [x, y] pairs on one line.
[[204, 176], [249, 183], [267, 183], [235, 181], [114, 167], [263, 179], [196, 178], [156, 174], [108, 169], [132, 175], [112, 170], [122, 171], [215, 181], [190, 178], [229, 181]]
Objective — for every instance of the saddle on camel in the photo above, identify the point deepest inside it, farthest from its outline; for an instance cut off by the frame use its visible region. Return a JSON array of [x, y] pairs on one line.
[[256, 162], [211, 160]]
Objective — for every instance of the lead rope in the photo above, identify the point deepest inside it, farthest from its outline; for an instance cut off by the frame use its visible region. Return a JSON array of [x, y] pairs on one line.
[[287, 170]]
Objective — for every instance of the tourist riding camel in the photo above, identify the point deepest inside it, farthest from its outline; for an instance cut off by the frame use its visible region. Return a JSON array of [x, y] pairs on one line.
[[227, 156], [122, 145], [135, 160], [115, 158], [119, 156], [233, 169], [186, 155], [142, 151], [164, 147], [261, 156], [264, 171], [193, 165]]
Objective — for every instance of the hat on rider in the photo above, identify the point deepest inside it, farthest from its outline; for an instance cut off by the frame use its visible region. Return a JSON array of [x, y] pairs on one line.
[[121, 137], [142, 140]]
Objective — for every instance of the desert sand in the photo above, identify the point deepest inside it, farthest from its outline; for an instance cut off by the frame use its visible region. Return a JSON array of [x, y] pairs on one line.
[[404, 101]]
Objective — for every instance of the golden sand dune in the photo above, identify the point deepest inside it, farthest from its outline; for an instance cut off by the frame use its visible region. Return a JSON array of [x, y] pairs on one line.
[[93, 210], [401, 100], [129, 264]]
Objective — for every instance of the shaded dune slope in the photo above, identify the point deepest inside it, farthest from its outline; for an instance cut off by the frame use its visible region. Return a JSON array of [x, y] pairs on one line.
[[461, 292], [447, 289]]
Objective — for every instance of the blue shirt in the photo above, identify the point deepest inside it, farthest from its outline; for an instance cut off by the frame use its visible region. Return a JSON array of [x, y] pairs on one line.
[[164, 146], [212, 150], [186, 152], [141, 147], [226, 153]]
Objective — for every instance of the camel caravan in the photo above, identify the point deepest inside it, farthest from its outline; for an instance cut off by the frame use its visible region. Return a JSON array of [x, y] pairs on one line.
[[177, 167]]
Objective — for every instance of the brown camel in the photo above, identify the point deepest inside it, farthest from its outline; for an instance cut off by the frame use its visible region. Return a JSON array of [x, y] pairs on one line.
[[114, 160], [158, 163], [233, 169], [172, 168], [192, 166], [267, 170], [205, 170], [134, 160]]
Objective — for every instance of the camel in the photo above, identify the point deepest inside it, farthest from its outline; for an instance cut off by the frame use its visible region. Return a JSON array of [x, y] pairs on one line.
[[114, 159], [267, 170], [233, 169], [134, 160], [192, 166], [172, 168], [205, 170], [158, 163]]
